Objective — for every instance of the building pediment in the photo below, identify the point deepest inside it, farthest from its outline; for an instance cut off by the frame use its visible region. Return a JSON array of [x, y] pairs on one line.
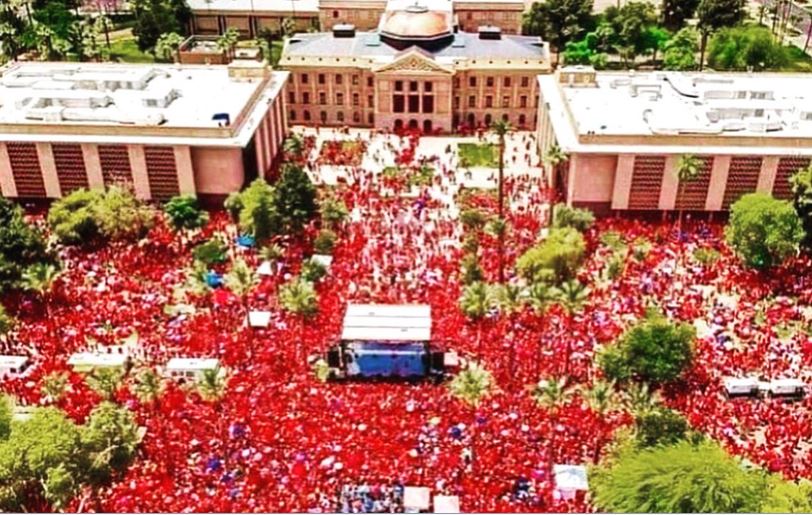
[[413, 61]]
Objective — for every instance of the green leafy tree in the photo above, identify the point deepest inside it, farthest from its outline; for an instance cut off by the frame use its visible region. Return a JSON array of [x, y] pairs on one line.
[[73, 217], [211, 252], [714, 15], [53, 386], [801, 183], [676, 12], [333, 212], [679, 52], [6, 413], [21, 245], [153, 18], [557, 258], [257, 211], [7, 323], [682, 478], [123, 217], [471, 270], [655, 350], [472, 384], [746, 47], [660, 426], [634, 28], [294, 146], [585, 52], [579, 219], [763, 231], [184, 212], [476, 301], [295, 199], [110, 438], [559, 21]]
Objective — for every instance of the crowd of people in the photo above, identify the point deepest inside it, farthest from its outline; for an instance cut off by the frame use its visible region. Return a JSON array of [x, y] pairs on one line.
[[278, 439]]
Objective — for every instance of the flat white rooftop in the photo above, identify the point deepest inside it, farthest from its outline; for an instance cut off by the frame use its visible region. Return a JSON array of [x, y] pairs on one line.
[[192, 364], [138, 100], [282, 6], [718, 106], [379, 322]]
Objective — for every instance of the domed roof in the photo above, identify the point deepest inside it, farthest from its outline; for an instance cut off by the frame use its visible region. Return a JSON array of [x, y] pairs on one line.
[[416, 21]]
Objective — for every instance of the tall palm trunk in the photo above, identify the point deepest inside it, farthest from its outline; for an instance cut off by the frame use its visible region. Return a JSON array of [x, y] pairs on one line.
[[501, 208]]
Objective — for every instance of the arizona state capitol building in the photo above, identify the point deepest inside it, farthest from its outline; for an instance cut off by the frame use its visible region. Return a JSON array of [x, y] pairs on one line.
[[419, 69]]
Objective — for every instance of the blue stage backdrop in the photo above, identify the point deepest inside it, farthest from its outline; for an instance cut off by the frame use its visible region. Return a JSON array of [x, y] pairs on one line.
[[377, 359]]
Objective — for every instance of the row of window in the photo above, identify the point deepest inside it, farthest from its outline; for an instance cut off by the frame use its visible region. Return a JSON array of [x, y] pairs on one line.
[[506, 102], [338, 79], [339, 99], [490, 82], [324, 118], [413, 104], [470, 119]]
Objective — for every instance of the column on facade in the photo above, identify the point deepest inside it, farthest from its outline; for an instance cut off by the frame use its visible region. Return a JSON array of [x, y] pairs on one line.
[[185, 169], [95, 177], [50, 178], [138, 163], [260, 142], [573, 167], [769, 170], [718, 183], [7, 184], [623, 181], [670, 185]]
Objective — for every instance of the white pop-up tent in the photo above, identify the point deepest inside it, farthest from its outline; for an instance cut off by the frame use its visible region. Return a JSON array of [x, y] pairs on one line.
[[392, 323], [12, 366], [259, 319], [741, 386], [323, 260], [446, 504], [570, 479], [416, 499], [86, 361], [191, 368]]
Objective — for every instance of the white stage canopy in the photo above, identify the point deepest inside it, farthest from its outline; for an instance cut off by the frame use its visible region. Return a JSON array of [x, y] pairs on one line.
[[395, 323]]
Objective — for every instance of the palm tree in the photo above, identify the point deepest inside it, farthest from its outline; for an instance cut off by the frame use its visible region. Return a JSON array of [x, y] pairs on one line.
[[287, 27], [689, 167], [149, 387], [501, 128], [472, 384], [40, 278], [571, 296], [639, 399], [168, 46], [601, 398], [511, 299], [294, 145], [241, 279], [105, 382], [299, 297], [212, 385], [551, 395], [554, 158], [228, 40], [477, 299], [540, 295], [53, 386]]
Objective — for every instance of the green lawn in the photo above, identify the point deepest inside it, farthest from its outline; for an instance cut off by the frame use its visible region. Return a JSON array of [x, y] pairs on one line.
[[126, 50], [798, 60], [473, 155]]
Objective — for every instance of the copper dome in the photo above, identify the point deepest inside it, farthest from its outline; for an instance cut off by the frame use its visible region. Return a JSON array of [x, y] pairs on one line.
[[416, 22]]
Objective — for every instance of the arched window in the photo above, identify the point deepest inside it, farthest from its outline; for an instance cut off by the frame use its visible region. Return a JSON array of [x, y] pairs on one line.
[[306, 115]]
